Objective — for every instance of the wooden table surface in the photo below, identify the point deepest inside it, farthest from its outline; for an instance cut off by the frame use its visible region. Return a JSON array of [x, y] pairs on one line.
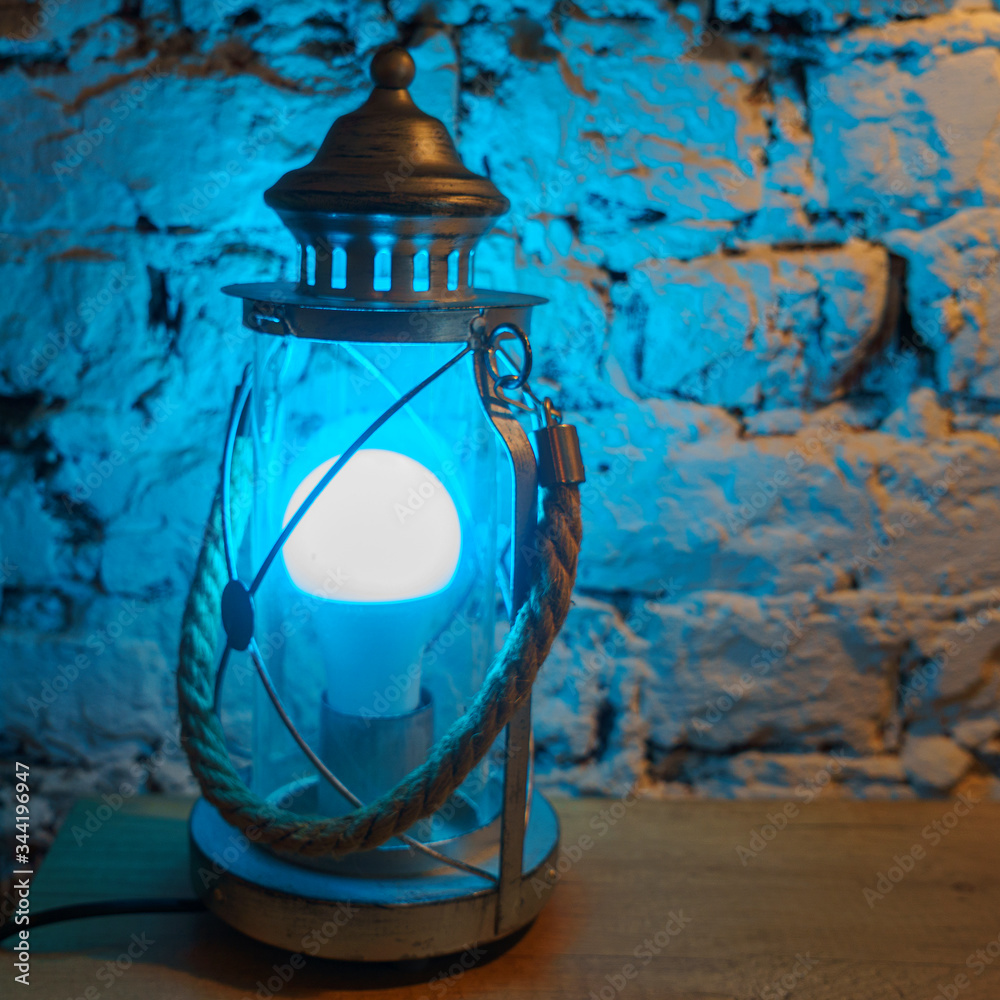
[[657, 900]]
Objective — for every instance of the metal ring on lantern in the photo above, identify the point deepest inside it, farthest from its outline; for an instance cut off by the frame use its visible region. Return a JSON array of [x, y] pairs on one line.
[[510, 381]]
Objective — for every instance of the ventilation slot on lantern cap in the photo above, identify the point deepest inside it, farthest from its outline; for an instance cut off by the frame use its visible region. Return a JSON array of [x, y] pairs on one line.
[[338, 268], [382, 280], [421, 271]]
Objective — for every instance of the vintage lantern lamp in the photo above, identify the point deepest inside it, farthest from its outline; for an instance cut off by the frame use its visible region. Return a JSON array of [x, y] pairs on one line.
[[379, 501]]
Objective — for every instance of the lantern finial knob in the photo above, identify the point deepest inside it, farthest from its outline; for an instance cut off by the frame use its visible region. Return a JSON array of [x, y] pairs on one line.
[[393, 68]]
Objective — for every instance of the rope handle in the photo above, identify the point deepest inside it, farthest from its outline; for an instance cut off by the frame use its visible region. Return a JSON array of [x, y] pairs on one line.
[[425, 789]]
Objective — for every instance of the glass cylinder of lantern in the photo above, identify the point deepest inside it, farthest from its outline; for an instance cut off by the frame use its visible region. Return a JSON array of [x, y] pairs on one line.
[[393, 506], [377, 621]]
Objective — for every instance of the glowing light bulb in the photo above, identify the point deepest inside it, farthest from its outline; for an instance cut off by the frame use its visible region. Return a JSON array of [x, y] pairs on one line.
[[381, 545], [385, 529]]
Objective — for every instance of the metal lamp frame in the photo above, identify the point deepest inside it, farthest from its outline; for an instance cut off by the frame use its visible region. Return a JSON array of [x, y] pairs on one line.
[[276, 900]]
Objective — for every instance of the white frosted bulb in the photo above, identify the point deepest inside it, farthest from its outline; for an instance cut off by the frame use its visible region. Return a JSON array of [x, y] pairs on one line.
[[385, 529], [380, 547]]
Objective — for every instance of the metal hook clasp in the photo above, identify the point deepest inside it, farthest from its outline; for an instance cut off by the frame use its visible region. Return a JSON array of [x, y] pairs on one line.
[[558, 445], [506, 331], [493, 350]]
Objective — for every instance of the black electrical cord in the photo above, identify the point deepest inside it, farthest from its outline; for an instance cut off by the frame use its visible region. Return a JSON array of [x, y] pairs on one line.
[[104, 908]]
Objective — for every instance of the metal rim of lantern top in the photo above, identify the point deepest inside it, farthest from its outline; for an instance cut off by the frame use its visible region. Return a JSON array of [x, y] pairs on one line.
[[387, 217]]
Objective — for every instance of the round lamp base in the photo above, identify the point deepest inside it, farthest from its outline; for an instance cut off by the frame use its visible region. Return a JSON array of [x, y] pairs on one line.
[[363, 918]]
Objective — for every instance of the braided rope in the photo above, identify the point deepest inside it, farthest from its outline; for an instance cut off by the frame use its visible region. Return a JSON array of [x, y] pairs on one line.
[[423, 791]]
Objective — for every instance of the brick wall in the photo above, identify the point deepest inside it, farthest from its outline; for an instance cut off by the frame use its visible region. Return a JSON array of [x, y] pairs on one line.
[[770, 236]]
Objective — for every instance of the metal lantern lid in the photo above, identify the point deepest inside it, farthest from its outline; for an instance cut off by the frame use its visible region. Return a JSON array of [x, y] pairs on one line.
[[387, 219], [386, 210], [386, 157]]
